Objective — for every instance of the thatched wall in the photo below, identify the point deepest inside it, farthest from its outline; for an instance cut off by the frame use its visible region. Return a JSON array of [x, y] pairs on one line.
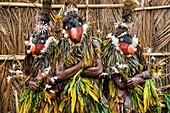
[[152, 27]]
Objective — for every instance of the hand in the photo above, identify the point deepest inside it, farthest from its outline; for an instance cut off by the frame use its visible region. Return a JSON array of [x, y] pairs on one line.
[[134, 81], [32, 85], [146, 75], [120, 81]]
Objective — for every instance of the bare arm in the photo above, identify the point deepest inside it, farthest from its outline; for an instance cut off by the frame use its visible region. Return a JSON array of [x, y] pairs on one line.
[[133, 81], [139, 79], [144, 75], [67, 73], [98, 69], [89, 72]]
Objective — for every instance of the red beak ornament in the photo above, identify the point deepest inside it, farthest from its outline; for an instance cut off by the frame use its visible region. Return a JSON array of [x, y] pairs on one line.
[[75, 34]]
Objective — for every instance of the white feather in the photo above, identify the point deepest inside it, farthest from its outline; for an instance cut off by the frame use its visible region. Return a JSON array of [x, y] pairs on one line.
[[52, 80], [11, 71], [8, 78], [51, 91], [148, 50], [109, 35], [116, 25], [30, 42], [18, 72], [47, 70], [135, 41], [65, 35], [28, 51], [13, 66], [47, 86], [85, 27], [153, 58], [115, 69], [115, 41], [56, 77], [76, 10], [43, 74], [104, 74]]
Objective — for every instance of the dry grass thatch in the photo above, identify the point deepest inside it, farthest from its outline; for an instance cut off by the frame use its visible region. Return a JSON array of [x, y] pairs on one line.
[[16, 25]]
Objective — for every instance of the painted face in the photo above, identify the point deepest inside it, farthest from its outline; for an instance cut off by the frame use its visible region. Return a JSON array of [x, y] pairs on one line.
[[73, 25], [38, 42], [125, 41], [75, 34], [126, 48]]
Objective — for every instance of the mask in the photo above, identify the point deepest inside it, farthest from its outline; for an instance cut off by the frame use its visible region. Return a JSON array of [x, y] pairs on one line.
[[38, 44], [39, 38], [73, 25], [126, 48], [126, 44], [75, 34]]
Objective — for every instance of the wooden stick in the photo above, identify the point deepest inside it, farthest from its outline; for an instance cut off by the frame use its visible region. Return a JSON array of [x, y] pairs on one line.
[[12, 57], [16, 101], [100, 5], [87, 11], [157, 54], [153, 8], [20, 4], [142, 3], [21, 57]]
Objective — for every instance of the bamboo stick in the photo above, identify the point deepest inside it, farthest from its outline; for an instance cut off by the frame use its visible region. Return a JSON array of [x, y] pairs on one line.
[[87, 11], [142, 3], [20, 4], [153, 8], [21, 57], [100, 5], [12, 57], [157, 54], [16, 101]]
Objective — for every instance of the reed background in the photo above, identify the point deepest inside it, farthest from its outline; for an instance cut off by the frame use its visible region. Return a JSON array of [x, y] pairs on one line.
[[152, 27]]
